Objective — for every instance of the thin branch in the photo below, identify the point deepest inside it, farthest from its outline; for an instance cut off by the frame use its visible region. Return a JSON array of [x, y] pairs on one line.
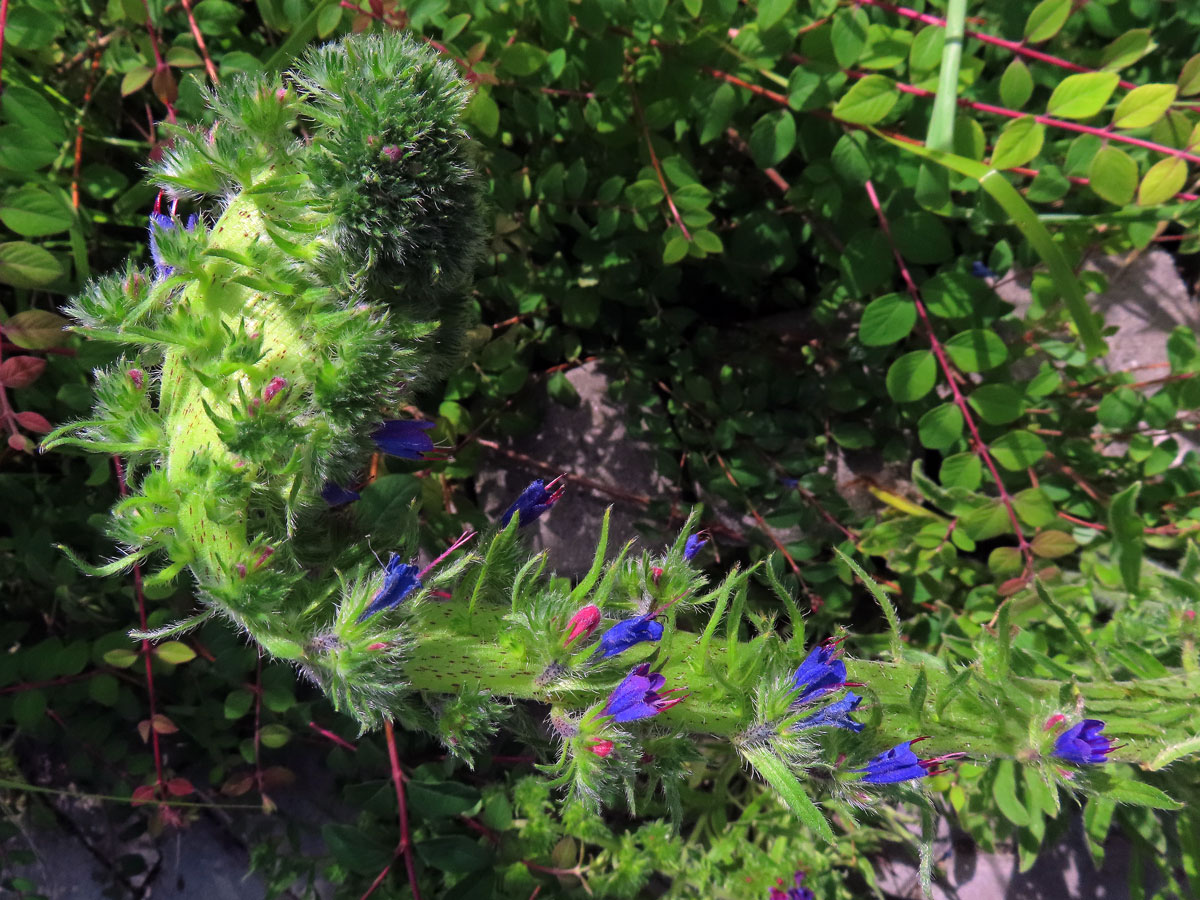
[[208, 63], [662, 181], [960, 401], [405, 846], [159, 786]]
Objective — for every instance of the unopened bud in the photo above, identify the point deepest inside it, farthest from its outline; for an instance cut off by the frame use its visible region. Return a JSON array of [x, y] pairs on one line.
[[137, 377], [392, 152], [378, 645], [601, 748], [656, 573]]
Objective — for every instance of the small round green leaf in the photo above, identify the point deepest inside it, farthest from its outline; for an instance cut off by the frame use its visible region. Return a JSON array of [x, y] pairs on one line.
[[868, 101], [962, 470], [1113, 175], [997, 404], [886, 320], [1082, 96], [1165, 179], [33, 212], [912, 376], [976, 350], [1016, 84], [1189, 77], [1019, 142], [1143, 106], [1046, 20], [940, 427], [174, 652], [773, 137], [1018, 450]]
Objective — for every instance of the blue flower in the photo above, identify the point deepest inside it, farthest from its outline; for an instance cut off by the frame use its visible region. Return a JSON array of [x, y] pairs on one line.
[[405, 438], [534, 500], [336, 495], [799, 892], [902, 764], [693, 545], [1084, 743], [980, 270], [638, 697], [835, 715], [399, 580], [626, 633], [819, 674], [166, 223]]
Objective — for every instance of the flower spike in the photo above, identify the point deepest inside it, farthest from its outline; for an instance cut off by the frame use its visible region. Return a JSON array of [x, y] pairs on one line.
[[901, 764]]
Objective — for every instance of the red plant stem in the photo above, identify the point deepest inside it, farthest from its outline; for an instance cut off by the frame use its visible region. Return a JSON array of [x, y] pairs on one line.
[[405, 846], [3, 23], [895, 135], [146, 649], [662, 181], [35, 685], [159, 63], [1103, 133], [340, 741], [87, 99], [258, 692], [959, 401], [384, 874], [208, 63], [462, 539], [1012, 46], [761, 521]]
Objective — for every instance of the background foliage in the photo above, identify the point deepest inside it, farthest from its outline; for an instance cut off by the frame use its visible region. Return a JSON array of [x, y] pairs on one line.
[[678, 189]]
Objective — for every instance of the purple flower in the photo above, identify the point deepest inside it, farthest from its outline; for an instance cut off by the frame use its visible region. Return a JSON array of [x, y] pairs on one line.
[[399, 580], [1084, 743], [835, 715], [626, 633], [980, 270], [819, 674], [902, 764], [799, 892], [638, 697], [405, 438], [336, 495], [534, 500], [693, 545], [166, 223]]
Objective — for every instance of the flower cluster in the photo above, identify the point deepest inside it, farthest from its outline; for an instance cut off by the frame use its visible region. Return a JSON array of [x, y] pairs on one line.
[[1083, 743], [798, 892], [822, 673]]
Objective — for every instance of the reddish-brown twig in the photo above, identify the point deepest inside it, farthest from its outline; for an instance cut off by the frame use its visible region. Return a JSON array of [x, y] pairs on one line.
[[960, 401], [208, 63], [159, 783], [404, 848], [662, 181], [329, 735]]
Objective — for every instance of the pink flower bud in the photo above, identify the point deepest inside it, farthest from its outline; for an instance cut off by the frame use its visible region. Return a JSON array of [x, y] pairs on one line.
[[281, 94], [392, 152], [656, 573], [601, 748], [241, 570], [583, 622], [137, 377], [267, 553], [1054, 721], [378, 645], [274, 386]]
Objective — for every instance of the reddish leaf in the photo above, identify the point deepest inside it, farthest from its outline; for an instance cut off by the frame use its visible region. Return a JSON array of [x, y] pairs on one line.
[[21, 371], [34, 422], [180, 787], [1012, 586], [36, 329], [20, 443], [143, 794], [237, 785], [164, 86], [163, 725], [144, 730]]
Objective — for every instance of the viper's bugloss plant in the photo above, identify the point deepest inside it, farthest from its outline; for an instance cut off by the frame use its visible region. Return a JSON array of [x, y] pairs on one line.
[[266, 351]]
